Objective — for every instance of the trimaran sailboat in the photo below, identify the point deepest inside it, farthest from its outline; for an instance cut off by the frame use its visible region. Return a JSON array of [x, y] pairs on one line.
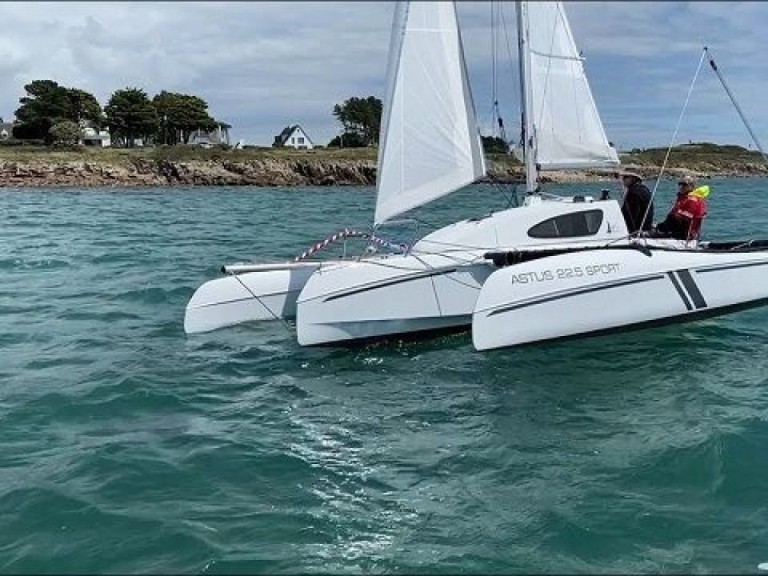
[[431, 147]]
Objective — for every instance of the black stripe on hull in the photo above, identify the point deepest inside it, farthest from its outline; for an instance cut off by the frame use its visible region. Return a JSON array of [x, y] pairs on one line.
[[410, 278], [576, 293], [692, 289], [729, 267], [288, 295], [701, 314], [680, 290]]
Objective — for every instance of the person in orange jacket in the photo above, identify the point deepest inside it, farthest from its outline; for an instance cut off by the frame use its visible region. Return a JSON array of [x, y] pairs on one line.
[[684, 219]]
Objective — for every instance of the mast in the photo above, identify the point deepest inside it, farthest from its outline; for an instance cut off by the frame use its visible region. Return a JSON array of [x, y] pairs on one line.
[[526, 97]]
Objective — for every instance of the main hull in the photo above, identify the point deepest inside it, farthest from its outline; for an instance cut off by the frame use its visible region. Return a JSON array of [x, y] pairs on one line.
[[389, 296], [604, 290]]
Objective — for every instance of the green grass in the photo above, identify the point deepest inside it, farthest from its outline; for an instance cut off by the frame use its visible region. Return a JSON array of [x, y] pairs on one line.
[[177, 154]]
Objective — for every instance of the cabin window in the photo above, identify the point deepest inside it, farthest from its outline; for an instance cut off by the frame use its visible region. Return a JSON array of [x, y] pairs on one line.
[[585, 223]]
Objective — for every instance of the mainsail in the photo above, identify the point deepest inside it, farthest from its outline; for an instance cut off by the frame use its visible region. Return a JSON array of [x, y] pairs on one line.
[[567, 131], [430, 144]]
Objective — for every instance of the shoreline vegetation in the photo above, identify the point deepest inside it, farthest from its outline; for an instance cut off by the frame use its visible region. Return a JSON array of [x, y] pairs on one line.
[[27, 166]]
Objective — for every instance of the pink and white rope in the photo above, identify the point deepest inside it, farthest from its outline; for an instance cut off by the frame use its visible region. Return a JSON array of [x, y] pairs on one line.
[[342, 235]]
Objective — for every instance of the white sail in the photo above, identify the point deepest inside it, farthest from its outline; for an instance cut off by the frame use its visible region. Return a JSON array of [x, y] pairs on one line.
[[568, 132], [430, 144]]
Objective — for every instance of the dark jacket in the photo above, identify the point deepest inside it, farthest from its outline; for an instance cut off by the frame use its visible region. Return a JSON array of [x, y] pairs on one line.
[[636, 201]]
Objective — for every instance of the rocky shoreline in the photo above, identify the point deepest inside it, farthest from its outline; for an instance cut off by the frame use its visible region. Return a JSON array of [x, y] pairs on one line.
[[149, 172], [304, 171]]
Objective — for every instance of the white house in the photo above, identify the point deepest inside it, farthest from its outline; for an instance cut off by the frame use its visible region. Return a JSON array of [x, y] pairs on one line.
[[6, 130], [91, 137], [204, 139], [294, 137]]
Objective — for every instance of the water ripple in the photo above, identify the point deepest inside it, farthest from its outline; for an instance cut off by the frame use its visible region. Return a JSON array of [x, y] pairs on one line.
[[129, 447]]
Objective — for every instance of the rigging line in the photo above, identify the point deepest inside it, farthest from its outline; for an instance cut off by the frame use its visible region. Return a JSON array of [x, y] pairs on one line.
[[733, 100], [452, 245], [457, 247], [427, 266], [494, 96], [497, 15], [503, 32], [282, 321], [448, 256], [505, 28], [456, 259], [433, 268], [512, 197], [450, 276], [418, 256], [674, 137], [435, 294]]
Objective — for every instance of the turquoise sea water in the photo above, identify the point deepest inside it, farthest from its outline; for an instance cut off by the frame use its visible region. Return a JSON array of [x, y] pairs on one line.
[[130, 447]]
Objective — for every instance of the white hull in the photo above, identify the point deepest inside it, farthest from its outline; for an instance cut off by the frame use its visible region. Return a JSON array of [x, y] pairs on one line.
[[613, 289], [414, 293], [266, 292], [387, 296], [436, 287]]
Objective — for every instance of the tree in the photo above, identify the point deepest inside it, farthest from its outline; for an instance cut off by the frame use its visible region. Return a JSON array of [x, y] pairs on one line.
[[348, 140], [131, 115], [180, 116], [45, 103], [494, 145], [84, 106], [65, 133], [360, 116]]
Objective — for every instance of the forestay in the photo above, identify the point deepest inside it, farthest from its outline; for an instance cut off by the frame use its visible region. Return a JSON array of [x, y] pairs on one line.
[[567, 127], [430, 144]]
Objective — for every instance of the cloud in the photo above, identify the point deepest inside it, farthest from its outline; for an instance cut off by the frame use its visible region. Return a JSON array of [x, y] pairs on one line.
[[259, 65], [262, 65]]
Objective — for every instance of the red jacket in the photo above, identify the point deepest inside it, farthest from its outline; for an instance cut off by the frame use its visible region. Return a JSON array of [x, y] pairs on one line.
[[684, 220]]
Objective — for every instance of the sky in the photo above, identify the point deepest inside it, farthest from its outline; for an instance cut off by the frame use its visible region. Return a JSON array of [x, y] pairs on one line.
[[264, 65]]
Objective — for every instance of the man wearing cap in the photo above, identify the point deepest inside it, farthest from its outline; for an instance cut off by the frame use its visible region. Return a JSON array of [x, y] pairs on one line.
[[684, 220], [637, 207]]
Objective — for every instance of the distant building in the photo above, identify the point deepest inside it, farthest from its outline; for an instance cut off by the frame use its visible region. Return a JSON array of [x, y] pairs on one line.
[[207, 139], [293, 137], [90, 136], [6, 130]]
